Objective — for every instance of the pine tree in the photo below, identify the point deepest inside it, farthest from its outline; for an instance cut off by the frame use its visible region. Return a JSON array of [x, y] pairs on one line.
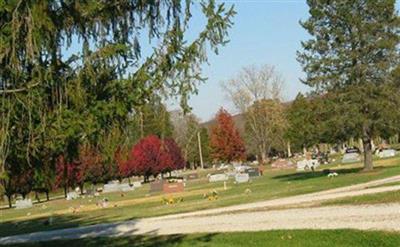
[[350, 56]]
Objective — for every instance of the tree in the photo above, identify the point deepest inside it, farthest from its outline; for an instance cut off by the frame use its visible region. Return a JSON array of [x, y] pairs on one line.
[[265, 127], [351, 55], [172, 156], [186, 130], [152, 156], [68, 174], [145, 158], [256, 93], [226, 143], [82, 97]]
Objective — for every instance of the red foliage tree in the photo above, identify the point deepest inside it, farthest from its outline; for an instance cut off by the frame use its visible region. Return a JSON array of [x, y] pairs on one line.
[[68, 174], [90, 165], [172, 158], [121, 158], [152, 156], [226, 143]]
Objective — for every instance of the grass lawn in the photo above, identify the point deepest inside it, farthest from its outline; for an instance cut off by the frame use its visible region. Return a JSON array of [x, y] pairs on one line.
[[384, 197], [307, 238], [140, 203]]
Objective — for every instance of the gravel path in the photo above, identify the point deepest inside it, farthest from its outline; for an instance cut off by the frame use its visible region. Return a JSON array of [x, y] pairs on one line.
[[251, 217]]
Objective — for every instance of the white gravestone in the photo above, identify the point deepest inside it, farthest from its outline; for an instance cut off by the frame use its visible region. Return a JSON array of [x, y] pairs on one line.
[[242, 178], [350, 158], [387, 153], [112, 186], [126, 187], [26, 203], [137, 184], [218, 177], [305, 165], [72, 195]]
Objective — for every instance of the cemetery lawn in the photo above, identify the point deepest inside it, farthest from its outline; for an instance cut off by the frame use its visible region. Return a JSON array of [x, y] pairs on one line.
[[384, 197], [139, 203], [309, 238]]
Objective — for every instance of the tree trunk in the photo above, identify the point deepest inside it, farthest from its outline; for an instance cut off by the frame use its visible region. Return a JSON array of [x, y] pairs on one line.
[[37, 196], [367, 146], [47, 195], [65, 191], [9, 200]]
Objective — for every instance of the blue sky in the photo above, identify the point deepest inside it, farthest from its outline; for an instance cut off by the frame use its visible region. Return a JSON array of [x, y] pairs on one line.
[[265, 32]]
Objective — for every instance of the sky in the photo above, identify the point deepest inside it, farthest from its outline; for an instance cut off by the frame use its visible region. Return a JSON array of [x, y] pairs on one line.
[[264, 32]]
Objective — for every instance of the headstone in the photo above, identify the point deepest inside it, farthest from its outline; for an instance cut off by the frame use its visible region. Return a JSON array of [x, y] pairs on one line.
[[137, 184], [386, 153], [156, 186], [306, 165], [218, 177], [25, 203], [351, 157], [112, 186], [126, 187], [72, 195], [253, 172], [242, 178], [282, 164], [173, 187]]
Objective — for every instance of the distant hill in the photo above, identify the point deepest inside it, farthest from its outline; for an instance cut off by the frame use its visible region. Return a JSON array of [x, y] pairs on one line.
[[238, 119]]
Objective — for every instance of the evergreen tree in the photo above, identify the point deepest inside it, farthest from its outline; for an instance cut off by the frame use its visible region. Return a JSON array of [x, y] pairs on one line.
[[350, 56]]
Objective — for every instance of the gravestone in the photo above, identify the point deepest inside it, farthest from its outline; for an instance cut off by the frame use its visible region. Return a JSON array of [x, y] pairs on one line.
[[112, 186], [72, 195], [25, 203], [387, 153], [173, 187], [282, 164], [253, 172], [156, 186], [306, 165], [137, 184], [218, 178], [126, 187], [242, 178], [351, 158]]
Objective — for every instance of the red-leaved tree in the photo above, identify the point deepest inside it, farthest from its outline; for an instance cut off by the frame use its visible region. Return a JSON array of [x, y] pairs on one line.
[[172, 158], [226, 143], [152, 156], [68, 174]]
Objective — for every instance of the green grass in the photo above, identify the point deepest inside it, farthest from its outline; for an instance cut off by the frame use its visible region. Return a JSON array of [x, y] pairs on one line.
[[274, 184], [288, 238], [384, 197]]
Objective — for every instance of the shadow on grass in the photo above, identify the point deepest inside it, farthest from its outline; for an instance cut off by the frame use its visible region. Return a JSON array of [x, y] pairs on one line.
[[316, 174], [114, 234], [9, 228], [147, 240]]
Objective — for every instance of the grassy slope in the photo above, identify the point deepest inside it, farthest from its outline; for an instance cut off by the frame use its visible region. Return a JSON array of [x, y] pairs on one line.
[[308, 238], [139, 204], [384, 197]]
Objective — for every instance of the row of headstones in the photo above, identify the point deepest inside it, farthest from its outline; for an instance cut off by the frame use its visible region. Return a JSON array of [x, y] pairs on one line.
[[239, 177]]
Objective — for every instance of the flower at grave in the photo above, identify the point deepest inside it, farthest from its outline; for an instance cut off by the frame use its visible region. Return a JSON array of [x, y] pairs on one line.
[[247, 191]]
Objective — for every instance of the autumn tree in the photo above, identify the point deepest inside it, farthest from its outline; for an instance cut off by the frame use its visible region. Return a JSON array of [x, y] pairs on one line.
[[351, 54], [152, 156], [225, 141], [256, 93]]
